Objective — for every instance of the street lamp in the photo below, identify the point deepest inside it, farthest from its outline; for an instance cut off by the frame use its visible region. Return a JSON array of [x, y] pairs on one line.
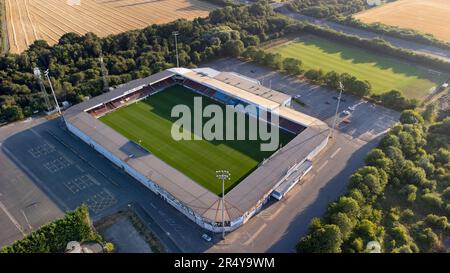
[[223, 175], [341, 88]]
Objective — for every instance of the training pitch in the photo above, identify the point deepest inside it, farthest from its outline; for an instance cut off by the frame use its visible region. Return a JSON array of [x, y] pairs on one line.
[[384, 73], [149, 123]]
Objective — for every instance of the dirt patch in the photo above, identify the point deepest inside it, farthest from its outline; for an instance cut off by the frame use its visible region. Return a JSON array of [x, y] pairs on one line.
[[128, 233]]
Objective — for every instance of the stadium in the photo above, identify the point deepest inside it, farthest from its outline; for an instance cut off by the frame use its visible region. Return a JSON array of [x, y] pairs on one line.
[[130, 126]]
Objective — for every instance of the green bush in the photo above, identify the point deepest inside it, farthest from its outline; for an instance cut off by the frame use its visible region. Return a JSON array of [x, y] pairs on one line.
[[53, 237]]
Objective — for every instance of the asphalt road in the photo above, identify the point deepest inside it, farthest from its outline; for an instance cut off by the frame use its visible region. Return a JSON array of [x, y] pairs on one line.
[[417, 47], [279, 226]]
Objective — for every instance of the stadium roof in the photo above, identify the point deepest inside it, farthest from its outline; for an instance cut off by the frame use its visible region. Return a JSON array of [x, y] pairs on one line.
[[252, 86], [118, 92], [241, 198]]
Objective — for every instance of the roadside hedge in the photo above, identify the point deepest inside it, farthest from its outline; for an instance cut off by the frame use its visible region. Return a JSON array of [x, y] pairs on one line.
[[53, 237], [402, 33]]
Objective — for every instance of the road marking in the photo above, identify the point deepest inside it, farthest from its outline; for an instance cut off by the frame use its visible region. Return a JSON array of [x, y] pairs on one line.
[[276, 212], [322, 166], [26, 219], [335, 152], [13, 220], [255, 234]]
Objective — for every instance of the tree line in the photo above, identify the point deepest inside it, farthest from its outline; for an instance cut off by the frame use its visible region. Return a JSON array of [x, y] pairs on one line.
[[74, 61], [393, 99], [327, 8], [400, 199], [394, 31]]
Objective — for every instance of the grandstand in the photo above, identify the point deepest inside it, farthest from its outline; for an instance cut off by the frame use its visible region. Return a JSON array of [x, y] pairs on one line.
[[274, 176]]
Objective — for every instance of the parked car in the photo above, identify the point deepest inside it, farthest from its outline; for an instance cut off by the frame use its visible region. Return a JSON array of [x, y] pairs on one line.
[[346, 112], [327, 102], [206, 237], [352, 108]]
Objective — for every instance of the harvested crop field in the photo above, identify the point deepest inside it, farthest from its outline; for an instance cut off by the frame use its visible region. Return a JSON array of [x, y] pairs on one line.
[[426, 16], [29, 20]]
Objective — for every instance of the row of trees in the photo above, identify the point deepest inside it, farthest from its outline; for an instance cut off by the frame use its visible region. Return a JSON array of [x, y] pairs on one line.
[[393, 99], [381, 46], [53, 237], [327, 8], [402, 33], [400, 199], [74, 61]]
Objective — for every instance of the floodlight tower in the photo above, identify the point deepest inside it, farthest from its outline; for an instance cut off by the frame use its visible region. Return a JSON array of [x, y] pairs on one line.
[[175, 34], [53, 91], [105, 81], [37, 74], [341, 88], [223, 175]]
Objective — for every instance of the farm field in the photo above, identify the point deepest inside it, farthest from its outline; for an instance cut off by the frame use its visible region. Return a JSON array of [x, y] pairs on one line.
[[426, 16], [149, 123], [29, 20], [384, 73]]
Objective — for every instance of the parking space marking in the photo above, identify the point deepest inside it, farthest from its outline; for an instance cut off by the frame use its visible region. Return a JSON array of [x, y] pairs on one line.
[[41, 150], [57, 164], [100, 201], [80, 183]]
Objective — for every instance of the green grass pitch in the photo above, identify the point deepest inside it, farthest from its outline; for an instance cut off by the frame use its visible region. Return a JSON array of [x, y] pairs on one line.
[[384, 73], [150, 122]]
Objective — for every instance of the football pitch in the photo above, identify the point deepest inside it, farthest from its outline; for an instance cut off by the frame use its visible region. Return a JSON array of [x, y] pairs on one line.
[[384, 73], [149, 123]]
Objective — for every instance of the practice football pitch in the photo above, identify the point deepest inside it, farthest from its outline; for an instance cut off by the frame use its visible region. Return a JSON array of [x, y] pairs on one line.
[[384, 73], [149, 123]]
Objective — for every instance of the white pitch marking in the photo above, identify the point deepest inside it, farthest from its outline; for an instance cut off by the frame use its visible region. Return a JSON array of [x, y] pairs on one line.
[[335, 152]]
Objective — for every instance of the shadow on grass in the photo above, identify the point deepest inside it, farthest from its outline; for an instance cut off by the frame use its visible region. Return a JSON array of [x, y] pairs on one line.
[[360, 56]]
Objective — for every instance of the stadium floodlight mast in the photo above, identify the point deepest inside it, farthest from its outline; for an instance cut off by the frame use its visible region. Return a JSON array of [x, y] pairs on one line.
[[37, 74], [175, 34], [53, 91], [223, 175], [341, 88]]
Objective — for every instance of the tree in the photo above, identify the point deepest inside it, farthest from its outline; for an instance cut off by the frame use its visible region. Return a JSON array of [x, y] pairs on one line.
[[233, 48], [332, 79], [410, 192], [377, 158], [314, 75], [12, 113], [292, 66], [411, 117], [326, 239]]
